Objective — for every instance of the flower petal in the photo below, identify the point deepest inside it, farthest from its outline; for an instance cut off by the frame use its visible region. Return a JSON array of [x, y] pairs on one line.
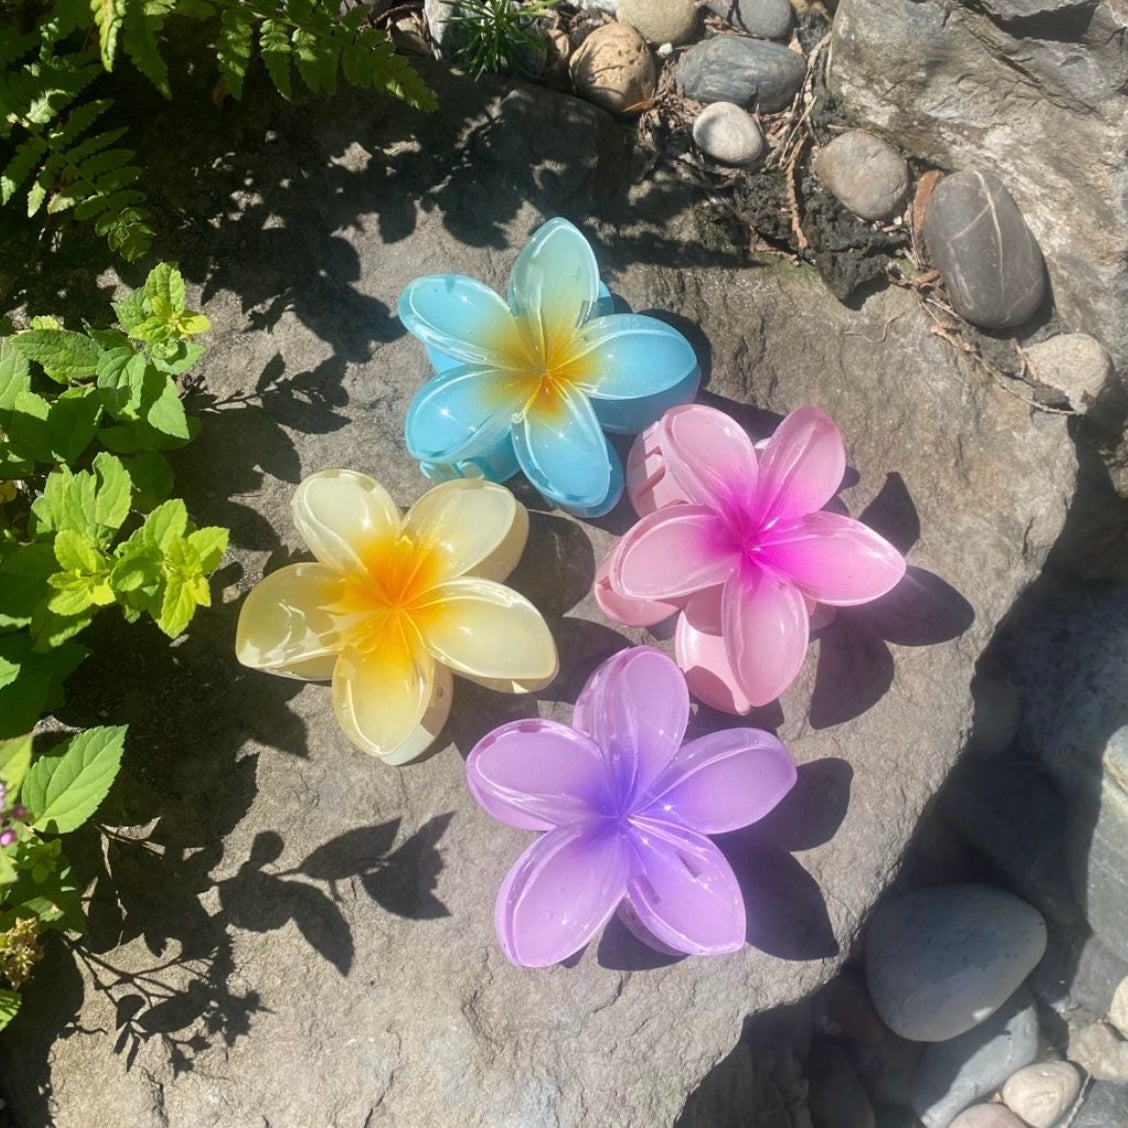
[[834, 559], [636, 708], [283, 622], [703, 657], [381, 696], [538, 774], [338, 512], [470, 526], [672, 553], [766, 632], [723, 781], [624, 609], [683, 891], [460, 414], [485, 629], [461, 317], [563, 452], [709, 455], [426, 732], [553, 288], [650, 485], [801, 465], [560, 893]]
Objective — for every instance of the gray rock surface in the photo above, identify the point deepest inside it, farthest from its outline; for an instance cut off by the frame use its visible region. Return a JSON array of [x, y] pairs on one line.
[[301, 936], [836, 1097], [868, 175], [614, 68], [1042, 1094], [1118, 1008], [1105, 1104], [955, 1073], [1100, 1051], [987, 1116], [887, 1067], [728, 133], [765, 19], [960, 88], [987, 256], [998, 712], [1075, 364], [660, 21], [941, 960], [750, 72]]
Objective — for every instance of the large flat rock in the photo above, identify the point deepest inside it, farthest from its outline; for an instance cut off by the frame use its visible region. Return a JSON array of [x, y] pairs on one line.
[[290, 934]]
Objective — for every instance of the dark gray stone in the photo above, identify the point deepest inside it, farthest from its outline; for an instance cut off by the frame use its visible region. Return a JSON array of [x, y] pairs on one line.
[[765, 19], [987, 256], [867, 175], [1077, 973], [954, 1074], [887, 1067], [750, 72], [939, 961], [1106, 1106], [836, 1098]]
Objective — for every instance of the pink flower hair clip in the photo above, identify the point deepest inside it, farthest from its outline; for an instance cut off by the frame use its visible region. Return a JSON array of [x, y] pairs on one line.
[[736, 543]]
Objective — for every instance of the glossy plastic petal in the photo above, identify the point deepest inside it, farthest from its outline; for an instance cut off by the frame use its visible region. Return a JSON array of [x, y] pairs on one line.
[[428, 729], [766, 633], [460, 414], [284, 622], [483, 628], [801, 466], [339, 512], [636, 708], [380, 697], [710, 455], [471, 526], [461, 317], [632, 356], [650, 485], [703, 656], [672, 553], [553, 288], [722, 781], [834, 559], [683, 890], [563, 452], [560, 893], [622, 608], [538, 774]]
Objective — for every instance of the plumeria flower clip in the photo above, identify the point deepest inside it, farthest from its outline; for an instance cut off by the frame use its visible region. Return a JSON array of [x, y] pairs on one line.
[[735, 542], [531, 382], [626, 807], [392, 605]]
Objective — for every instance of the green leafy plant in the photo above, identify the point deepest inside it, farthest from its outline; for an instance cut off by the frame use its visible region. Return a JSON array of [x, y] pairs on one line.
[[495, 35], [86, 522], [53, 51]]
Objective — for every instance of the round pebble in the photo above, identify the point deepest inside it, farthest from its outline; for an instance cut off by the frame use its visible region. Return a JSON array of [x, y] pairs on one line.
[[765, 19], [614, 69], [1099, 1050], [939, 961], [867, 175], [1118, 1011], [1041, 1094], [729, 134], [660, 21], [749, 72], [987, 1116], [1075, 364]]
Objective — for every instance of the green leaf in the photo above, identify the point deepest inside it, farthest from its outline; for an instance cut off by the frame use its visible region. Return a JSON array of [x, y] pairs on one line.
[[74, 595], [64, 789], [186, 355], [24, 161], [67, 503], [64, 355], [142, 31], [27, 427], [189, 324], [233, 49], [76, 553], [138, 566], [115, 492], [121, 381], [274, 45], [9, 1006], [152, 477], [9, 671], [166, 523], [210, 544], [39, 686], [72, 422], [15, 374], [23, 580], [167, 412], [15, 759], [131, 310], [165, 288], [108, 15]]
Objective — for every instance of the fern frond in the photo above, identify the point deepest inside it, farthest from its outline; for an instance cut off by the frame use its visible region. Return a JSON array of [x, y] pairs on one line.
[[375, 58], [29, 153], [108, 18], [140, 34], [43, 89], [274, 46], [233, 48], [317, 58]]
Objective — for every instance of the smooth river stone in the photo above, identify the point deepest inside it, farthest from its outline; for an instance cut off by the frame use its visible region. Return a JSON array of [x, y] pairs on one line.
[[728, 133], [941, 960], [987, 1116], [660, 21], [1106, 1106], [765, 19], [749, 72], [988, 258], [1041, 1094], [953, 1074], [1075, 364], [864, 173]]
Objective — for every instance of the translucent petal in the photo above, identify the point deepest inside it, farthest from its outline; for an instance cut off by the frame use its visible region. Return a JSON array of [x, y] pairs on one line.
[[461, 317], [709, 454], [283, 622], [801, 466], [672, 553], [563, 452], [683, 890], [339, 512], [381, 696], [428, 729], [650, 484], [766, 632], [622, 608], [553, 288], [471, 526], [632, 356], [538, 774], [834, 559], [703, 657], [722, 781], [483, 628], [636, 708], [460, 414], [560, 893]]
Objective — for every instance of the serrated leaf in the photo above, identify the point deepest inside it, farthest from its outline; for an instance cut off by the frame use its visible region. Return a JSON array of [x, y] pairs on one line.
[[73, 595], [274, 46], [39, 685], [165, 290], [108, 15], [138, 567], [72, 422], [131, 310], [142, 30], [23, 576], [115, 491], [186, 355], [107, 338], [167, 413], [67, 502], [233, 49], [166, 523], [210, 543], [152, 477], [9, 671], [24, 161], [121, 381], [178, 605], [190, 324], [15, 375], [63, 790], [9, 1006], [27, 427], [15, 759], [63, 354], [76, 553]]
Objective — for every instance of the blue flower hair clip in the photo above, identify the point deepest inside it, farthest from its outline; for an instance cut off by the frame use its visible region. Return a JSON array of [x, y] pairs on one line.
[[532, 382]]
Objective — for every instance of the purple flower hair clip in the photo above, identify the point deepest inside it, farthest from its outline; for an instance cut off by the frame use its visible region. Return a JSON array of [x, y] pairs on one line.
[[626, 807]]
